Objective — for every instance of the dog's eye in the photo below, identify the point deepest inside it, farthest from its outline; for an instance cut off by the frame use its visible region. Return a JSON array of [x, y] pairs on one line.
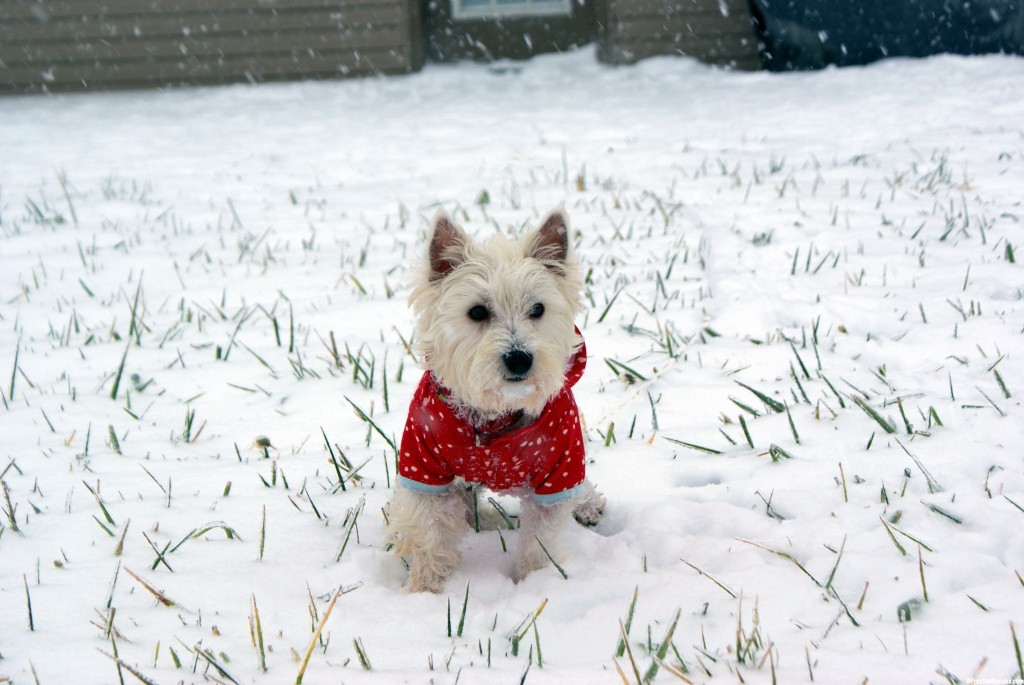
[[479, 313], [537, 311]]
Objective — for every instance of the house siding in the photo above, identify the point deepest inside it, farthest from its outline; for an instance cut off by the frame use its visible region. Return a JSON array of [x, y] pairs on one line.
[[719, 32], [67, 45], [105, 44]]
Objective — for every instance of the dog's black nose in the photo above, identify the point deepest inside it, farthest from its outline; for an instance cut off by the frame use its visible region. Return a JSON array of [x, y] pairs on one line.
[[518, 362]]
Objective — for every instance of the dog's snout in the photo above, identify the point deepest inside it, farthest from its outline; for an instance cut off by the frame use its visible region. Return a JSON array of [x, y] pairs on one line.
[[518, 362]]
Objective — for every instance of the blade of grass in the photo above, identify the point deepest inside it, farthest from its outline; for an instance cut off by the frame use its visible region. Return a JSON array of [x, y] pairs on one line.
[[263, 531], [800, 361], [364, 661], [337, 467], [621, 648], [753, 412], [746, 431], [674, 671], [710, 577], [777, 453], [773, 404], [887, 426], [105, 529], [792, 426], [462, 616], [257, 628], [842, 404], [208, 658], [979, 604], [622, 674], [933, 485], [662, 648], [319, 628], [528, 622], [351, 518], [126, 666], [942, 512], [103, 507], [920, 569], [502, 513], [907, 535], [195, 533], [620, 369], [160, 559], [839, 557], [160, 596], [120, 371], [994, 405], [784, 555], [557, 566], [119, 549], [1016, 650], [892, 537], [362, 415], [28, 604], [629, 653], [1002, 385], [134, 329], [609, 305], [14, 370], [692, 446], [10, 511]]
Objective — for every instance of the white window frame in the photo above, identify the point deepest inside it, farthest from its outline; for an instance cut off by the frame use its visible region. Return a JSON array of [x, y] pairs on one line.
[[522, 8]]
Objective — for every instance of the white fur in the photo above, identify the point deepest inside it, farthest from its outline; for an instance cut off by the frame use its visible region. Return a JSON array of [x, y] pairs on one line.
[[541, 524], [427, 530], [509, 278]]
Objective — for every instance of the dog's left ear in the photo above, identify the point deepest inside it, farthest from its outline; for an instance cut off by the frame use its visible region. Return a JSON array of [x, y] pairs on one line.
[[550, 242]]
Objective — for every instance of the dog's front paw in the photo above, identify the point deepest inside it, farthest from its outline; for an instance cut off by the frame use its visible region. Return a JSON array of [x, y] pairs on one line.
[[426, 580], [590, 510], [532, 560]]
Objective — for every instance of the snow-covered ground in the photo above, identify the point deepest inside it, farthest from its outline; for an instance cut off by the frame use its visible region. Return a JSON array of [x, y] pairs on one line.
[[187, 275]]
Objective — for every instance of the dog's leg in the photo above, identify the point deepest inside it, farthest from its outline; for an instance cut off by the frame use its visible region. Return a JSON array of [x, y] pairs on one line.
[[589, 508], [427, 530], [543, 523]]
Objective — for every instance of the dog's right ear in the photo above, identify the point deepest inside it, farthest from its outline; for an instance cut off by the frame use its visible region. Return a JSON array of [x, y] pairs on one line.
[[447, 245], [550, 242]]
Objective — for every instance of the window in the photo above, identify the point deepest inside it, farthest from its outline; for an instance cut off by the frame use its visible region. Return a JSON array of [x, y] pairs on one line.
[[484, 9]]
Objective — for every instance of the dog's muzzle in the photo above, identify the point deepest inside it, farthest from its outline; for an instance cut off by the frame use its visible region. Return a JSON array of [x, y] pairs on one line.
[[518, 363]]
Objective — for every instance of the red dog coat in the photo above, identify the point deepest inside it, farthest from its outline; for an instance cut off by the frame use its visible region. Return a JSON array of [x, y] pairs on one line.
[[546, 456]]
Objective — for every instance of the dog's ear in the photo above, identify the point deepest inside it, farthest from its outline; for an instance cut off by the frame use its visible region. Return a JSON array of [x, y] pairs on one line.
[[550, 242], [447, 245]]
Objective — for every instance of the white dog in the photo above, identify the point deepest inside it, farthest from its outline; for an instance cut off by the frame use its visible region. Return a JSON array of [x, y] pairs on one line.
[[494, 407]]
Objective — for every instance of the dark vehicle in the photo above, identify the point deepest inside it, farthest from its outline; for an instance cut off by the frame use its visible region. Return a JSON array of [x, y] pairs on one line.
[[809, 34]]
